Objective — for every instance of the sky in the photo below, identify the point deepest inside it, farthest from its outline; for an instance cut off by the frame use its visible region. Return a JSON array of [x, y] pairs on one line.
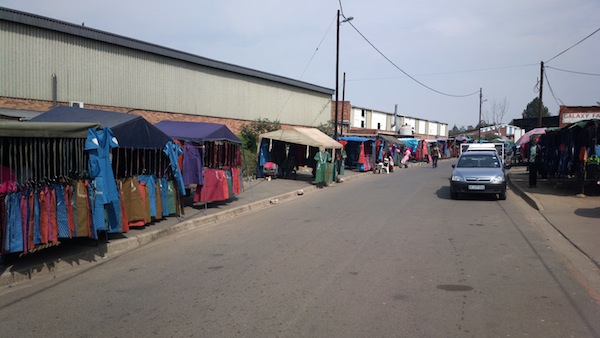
[[427, 58]]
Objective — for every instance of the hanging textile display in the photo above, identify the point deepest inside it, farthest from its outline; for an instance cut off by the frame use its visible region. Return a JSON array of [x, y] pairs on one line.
[[105, 195], [322, 158]]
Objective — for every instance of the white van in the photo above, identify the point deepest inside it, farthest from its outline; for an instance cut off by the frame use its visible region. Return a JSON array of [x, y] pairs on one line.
[[498, 147]]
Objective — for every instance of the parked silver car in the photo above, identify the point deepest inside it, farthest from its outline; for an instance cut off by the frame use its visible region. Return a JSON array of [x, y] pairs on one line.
[[478, 172]]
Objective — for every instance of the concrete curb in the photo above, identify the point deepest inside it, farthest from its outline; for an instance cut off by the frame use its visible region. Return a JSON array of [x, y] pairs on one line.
[[118, 247], [529, 198]]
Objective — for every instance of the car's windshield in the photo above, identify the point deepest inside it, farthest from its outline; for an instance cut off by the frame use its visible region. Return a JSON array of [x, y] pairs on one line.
[[478, 161]]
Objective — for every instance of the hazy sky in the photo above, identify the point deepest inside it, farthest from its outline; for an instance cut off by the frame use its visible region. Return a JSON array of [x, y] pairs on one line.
[[453, 47]]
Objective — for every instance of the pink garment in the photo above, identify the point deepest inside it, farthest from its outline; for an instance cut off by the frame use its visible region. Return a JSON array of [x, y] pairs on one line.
[[406, 156]]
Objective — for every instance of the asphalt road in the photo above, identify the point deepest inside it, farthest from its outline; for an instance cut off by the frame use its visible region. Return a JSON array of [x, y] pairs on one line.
[[381, 256]]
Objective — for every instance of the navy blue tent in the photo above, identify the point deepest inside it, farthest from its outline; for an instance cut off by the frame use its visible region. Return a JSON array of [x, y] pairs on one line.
[[132, 131], [198, 132]]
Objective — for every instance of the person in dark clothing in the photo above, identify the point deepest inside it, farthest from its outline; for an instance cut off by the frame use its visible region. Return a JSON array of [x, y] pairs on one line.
[[534, 162], [435, 155]]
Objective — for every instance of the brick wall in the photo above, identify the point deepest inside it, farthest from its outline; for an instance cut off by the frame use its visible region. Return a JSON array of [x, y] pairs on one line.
[[151, 116]]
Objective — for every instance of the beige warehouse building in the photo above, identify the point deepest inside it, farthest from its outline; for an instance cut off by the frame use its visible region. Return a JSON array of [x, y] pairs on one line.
[[46, 62]]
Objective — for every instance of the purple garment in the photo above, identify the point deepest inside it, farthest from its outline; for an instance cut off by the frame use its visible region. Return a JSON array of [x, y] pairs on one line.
[[192, 164]]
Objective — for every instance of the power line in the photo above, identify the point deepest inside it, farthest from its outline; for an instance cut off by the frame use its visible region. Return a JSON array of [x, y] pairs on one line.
[[564, 51], [318, 46], [557, 100], [447, 73], [405, 73], [572, 71]]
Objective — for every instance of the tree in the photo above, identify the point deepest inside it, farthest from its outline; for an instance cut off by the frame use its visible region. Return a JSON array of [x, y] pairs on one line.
[[249, 132], [327, 128], [533, 109], [249, 135], [454, 130], [498, 111]]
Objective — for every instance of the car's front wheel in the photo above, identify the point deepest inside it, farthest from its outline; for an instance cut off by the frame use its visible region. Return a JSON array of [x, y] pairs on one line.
[[502, 196]]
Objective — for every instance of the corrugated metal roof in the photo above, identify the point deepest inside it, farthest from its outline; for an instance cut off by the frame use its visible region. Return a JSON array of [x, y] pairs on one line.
[[95, 34]]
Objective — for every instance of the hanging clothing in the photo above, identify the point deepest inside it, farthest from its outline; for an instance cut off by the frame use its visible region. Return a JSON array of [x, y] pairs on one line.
[[173, 150], [105, 192], [151, 189], [192, 164], [215, 188], [14, 233], [134, 204], [322, 158], [82, 209]]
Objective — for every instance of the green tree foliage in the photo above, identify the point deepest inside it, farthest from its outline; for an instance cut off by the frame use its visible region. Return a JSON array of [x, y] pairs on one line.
[[327, 128], [249, 136], [533, 110], [249, 132]]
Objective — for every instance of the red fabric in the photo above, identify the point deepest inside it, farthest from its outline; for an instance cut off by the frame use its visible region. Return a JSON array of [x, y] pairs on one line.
[[235, 176], [52, 221], [43, 215], [215, 187], [361, 157]]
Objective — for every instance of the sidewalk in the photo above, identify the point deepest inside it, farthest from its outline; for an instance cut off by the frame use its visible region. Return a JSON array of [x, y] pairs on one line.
[[257, 194], [574, 215]]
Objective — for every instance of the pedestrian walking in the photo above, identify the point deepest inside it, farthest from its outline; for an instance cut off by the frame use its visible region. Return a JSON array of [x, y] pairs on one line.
[[435, 155], [406, 157]]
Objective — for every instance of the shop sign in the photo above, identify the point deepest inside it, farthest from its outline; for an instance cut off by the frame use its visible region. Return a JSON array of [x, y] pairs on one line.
[[576, 117]]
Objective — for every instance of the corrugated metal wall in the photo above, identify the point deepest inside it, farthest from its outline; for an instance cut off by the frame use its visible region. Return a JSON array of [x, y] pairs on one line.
[[100, 73]]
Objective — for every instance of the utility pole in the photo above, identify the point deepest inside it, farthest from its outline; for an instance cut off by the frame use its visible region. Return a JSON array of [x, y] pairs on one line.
[[337, 73], [479, 122], [343, 103], [541, 89], [337, 76]]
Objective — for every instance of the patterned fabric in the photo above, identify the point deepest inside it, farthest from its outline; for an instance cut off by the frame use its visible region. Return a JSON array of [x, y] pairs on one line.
[[173, 151]]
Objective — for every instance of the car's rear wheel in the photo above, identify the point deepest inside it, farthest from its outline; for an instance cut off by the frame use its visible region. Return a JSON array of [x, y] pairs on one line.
[[502, 196]]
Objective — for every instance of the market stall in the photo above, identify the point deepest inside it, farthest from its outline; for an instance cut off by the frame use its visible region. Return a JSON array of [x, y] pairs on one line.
[[42, 169], [294, 147], [143, 162], [361, 152], [211, 161]]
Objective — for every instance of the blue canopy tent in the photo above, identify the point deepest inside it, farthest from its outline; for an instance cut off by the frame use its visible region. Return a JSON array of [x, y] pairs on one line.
[[143, 151], [132, 131], [142, 156], [198, 132], [361, 152], [212, 158]]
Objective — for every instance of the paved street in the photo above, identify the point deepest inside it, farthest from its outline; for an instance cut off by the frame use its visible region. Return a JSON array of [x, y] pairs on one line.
[[382, 255]]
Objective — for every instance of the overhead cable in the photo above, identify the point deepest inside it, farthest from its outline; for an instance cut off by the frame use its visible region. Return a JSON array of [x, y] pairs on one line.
[[405, 73], [557, 100], [572, 71], [564, 51]]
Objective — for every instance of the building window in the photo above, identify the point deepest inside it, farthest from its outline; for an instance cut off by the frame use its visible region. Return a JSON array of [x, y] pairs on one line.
[[362, 113], [362, 124], [378, 125]]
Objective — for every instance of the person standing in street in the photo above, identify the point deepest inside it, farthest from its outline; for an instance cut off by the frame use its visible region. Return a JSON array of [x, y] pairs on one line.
[[406, 157], [435, 155], [534, 160]]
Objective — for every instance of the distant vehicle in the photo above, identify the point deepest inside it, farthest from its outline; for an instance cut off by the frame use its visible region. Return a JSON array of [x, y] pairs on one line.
[[499, 147], [478, 172]]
